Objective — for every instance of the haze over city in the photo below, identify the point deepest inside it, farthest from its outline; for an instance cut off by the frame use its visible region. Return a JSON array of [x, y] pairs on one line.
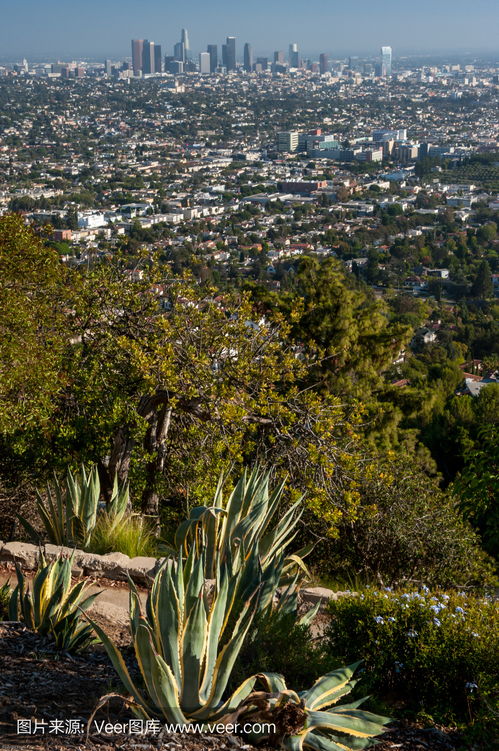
[[94, 29]]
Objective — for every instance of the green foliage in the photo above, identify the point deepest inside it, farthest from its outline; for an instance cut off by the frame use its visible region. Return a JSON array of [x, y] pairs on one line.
[[5, 594], [438, 652], [406, 529], [130, 534], [53, 607], [32, 334], [71, 512], [477, 486]]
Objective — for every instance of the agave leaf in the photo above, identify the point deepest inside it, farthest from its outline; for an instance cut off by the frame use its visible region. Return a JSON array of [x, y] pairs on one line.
[[228, 655], [307, 618], [39, 601], [321, 743], [356, 726], [214, 630], [168, 692], [192, 648], [362, 714], [167, 623], [119, 665], [14, 604], [293, 743], [327, 686], [35, 536]]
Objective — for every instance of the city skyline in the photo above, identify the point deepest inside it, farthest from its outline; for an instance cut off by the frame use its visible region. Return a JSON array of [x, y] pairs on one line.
[[94, 31]]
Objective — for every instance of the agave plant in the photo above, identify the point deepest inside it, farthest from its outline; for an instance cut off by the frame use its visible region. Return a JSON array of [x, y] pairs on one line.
[[53, 607], [245, 522], [70, 512], [186, 644], [312, 719]]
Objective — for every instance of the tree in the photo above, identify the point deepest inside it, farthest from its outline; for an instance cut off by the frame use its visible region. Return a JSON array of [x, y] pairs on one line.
[[172, 395], [32, 330], [482, 284]]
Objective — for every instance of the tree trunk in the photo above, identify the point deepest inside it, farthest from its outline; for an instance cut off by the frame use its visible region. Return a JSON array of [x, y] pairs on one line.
[[155, 444], [118, 463]]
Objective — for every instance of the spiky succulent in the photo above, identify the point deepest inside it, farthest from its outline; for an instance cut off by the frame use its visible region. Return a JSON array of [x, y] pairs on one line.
[[187, 640], [69, 513], [53, 606], [312, 719], [186, 643], [247, 520]]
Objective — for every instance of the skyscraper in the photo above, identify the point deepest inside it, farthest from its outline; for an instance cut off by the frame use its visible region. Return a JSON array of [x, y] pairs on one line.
[[204, 62], [108, 68], [324, 63], [294, 56], [213, 50], [158, 59], [148, 57], [184, 38], [179, 52], [137, 48], [386, 62], [224, 56], [248, 57], [231, 53]]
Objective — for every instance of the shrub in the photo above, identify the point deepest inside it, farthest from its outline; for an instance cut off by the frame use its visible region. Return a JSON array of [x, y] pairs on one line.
[[438, 651], [130, 535], [301, 661], [406, 530], [53, 607]]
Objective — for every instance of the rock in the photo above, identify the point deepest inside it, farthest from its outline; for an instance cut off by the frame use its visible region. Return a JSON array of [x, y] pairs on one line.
[[142, 569], [20, 552], [111, 566], [313, 595]]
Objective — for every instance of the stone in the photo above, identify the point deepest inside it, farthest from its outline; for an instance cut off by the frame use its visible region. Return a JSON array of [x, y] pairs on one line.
[[111, 566], [142, 569], [312, 595], [20, 552]]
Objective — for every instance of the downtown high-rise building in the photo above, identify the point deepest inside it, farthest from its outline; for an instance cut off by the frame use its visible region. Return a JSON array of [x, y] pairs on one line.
[[294, 56], [148, 57], [386, 62], [204, 63], [230, 52], [184, 38], [179, 52], [324, 63], [137, 49], [213, 52], [248, 57], [158, 59]]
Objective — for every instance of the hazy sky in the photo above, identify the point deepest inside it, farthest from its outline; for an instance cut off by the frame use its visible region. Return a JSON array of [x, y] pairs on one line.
[[104, 28]]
